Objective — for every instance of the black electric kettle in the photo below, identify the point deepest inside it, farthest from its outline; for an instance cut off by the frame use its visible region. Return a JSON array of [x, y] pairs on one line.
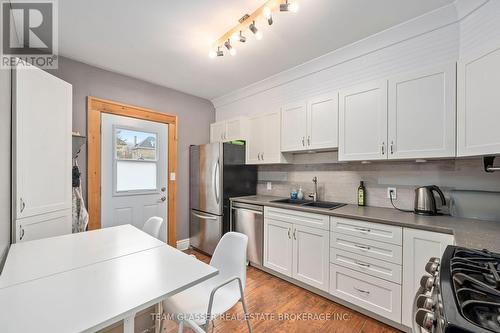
[[425, 202]]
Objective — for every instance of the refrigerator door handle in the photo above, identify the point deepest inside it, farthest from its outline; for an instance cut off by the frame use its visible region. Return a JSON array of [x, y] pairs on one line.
[[204, 217], [216, 180]]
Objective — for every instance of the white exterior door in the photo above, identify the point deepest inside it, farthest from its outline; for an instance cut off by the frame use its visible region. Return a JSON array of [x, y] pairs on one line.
[[323, 122], [418, 247], [363, 122], [294, 127], [133, 171], [310, 256], [278, 246], [422, 114], [479, 104]]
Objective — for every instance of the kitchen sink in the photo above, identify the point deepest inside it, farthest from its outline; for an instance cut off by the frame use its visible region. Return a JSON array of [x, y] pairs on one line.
[[308, 203]]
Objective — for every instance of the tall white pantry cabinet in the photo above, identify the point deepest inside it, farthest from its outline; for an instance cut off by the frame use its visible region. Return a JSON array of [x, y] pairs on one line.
[[42, 154]]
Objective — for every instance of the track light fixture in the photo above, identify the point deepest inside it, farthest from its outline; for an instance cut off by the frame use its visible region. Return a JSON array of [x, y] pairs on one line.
[[289, 7], [236, 33], [256, 32], [232, 50], [268, 15]]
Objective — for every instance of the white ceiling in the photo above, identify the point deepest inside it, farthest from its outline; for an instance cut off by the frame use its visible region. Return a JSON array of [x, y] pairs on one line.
[[166, 41]]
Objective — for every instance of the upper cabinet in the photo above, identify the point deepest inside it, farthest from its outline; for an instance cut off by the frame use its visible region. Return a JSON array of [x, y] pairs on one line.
[[422, 114], [310, 125], [409, 116], [479, 104], [263, 141], [363, 122], [228, 130]]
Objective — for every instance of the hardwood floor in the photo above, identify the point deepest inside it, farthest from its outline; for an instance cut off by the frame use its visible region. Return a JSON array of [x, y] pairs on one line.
[[277, 305]]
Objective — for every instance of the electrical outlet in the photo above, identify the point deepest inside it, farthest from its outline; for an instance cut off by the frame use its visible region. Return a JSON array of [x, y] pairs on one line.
[[269, 186], [393, 191]]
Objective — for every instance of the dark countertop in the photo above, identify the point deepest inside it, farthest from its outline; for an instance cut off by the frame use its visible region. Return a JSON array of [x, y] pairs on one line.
[[470, 233]]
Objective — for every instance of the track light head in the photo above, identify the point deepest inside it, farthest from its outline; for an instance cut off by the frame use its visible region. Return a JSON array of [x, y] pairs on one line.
[[256, 32], [242, 38], [232, 50], [289, 7], [268, 15], [212, 54], [219, 52]]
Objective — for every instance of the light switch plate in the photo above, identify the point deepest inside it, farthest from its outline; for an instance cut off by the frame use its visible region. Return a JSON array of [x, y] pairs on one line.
[[269, 186]]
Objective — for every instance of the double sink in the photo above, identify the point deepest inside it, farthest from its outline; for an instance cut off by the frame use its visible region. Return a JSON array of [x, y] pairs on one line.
[[307, 203]]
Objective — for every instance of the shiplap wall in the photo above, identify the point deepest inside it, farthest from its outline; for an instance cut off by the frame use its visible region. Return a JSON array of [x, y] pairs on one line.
[[435, 38]]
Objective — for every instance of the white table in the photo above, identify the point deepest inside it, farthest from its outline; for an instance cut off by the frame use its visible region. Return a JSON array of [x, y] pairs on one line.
[[84, 296]]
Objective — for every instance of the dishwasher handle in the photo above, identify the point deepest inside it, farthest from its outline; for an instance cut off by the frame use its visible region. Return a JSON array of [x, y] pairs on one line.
[[249, 208]]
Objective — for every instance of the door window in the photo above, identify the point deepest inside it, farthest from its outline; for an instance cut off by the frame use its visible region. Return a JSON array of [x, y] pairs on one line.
[[136, 159]]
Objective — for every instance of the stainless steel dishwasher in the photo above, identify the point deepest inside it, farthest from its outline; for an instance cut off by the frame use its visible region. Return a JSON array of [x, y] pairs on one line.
[[249, 220]]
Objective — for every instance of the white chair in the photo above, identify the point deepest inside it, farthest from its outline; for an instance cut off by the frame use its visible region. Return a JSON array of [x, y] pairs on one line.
[[198, 305], [153, 226]]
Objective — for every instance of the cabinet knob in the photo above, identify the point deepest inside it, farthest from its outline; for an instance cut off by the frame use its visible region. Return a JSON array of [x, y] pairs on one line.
[[22, 205], [392, 147], [308, 140], [21, 236], [289, 237], [303, 141], [295, 234], [383, 148]]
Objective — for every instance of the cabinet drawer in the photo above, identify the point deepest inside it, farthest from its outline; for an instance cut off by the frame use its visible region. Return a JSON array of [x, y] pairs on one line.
[[378, 268], [367, 247], [369, 230], [297, 217], [43, 226], [376, 295]]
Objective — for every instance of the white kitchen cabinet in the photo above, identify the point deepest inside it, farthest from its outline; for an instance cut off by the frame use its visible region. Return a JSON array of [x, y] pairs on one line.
[[42, 123], [228, 130], [278, 241], [422, 114], [311, 256], [478, 104], [263, 142], [363, 122], [296, 247], [46, 225], [311, 125], [294, 127], [323, 122], [418, 247]]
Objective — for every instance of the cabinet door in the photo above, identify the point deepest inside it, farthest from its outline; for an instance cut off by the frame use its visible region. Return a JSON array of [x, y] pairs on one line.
[[418, 247], [294, 127], [323, 122], [363, 122], [310, 256], [278, 246], [422, 114], [479, 104], [43, 226], [235, 129], [270, 144], [217, 132], [42, 142], [255, 139]]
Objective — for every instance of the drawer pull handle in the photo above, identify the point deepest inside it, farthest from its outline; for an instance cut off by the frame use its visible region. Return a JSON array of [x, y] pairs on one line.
[[362, 247], [289, 237], [295, 234], [362, 264], [363, 229], [362, 291]]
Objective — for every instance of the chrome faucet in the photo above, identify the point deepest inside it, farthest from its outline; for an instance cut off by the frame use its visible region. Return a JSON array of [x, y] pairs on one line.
[[314, 195]]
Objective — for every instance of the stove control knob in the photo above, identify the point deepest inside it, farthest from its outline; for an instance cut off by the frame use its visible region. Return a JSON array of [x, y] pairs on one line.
[[432, 267], [427, 282], [425, 302], [425, 319]]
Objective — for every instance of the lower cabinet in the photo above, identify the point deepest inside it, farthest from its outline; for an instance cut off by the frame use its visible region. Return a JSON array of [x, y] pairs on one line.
[[43, 226], [418, 247], [377, 295], [297, 251]]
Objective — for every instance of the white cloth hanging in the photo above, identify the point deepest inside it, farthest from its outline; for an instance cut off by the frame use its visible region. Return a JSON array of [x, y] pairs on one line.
[[80, 214]]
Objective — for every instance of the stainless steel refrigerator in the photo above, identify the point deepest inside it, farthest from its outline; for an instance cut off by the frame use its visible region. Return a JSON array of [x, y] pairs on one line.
[[217, 172]]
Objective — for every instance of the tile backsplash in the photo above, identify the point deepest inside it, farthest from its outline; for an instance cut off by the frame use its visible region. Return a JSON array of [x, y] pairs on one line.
[[339, 181]]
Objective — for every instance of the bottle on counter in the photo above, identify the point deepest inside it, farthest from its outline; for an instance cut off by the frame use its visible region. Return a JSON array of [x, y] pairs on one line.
[[361, 194], [300, 193], [294, 194]]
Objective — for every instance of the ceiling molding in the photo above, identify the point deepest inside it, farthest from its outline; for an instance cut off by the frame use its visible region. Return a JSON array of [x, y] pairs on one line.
[[436, 19]]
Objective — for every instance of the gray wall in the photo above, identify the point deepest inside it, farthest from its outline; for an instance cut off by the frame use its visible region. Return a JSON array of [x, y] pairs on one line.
[[5, 162], [195, 114]]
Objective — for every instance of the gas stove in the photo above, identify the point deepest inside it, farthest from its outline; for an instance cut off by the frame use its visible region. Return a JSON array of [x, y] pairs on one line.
[[461, 293]]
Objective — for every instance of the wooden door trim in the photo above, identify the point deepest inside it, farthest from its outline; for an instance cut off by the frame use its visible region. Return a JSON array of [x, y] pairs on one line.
[[97, 106]]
